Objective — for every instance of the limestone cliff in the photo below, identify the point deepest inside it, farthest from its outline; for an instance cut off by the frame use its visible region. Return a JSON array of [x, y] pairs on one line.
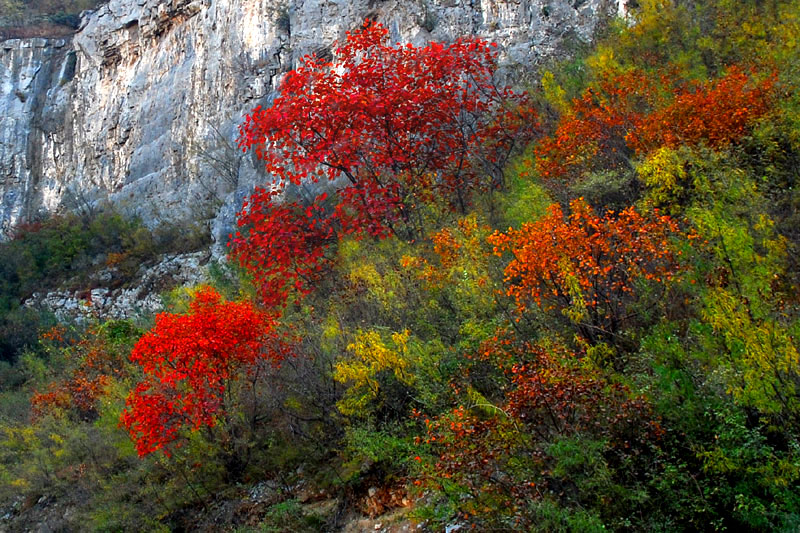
[[141, 106]]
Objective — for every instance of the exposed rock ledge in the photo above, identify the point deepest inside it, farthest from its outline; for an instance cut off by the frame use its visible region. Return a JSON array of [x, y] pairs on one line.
[[142, 298]]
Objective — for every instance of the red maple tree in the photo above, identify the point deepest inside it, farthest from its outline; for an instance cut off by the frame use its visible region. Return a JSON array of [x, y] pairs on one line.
[[591, 135], [393, 127], [402, 120], [188, 360]]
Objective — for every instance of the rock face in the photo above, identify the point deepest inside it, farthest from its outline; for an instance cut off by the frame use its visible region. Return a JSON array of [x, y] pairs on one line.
[[141, 106]]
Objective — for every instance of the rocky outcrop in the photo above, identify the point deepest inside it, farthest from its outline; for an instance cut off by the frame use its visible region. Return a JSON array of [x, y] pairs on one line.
[[141, 106], [140, 298]]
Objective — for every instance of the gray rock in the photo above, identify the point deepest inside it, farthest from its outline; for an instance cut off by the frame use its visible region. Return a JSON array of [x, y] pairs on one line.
[[143, 297]]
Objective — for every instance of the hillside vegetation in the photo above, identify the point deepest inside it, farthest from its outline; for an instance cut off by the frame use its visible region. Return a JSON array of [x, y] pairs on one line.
[[41, 18], [568, 309]]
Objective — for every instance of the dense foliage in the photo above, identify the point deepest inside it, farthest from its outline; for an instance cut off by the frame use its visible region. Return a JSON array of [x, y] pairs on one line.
[[572, 309], [188, 361]]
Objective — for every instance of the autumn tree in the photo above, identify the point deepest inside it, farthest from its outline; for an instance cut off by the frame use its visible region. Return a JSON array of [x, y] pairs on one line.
[[638, 112], [399, 121], [586, 266], [716, 112], [393, 127], [93, 361], [591, 134], [189, 361], [497, 458]]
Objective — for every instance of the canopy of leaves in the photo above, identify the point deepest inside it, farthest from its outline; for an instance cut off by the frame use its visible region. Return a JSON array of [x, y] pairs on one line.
[[188, 361]]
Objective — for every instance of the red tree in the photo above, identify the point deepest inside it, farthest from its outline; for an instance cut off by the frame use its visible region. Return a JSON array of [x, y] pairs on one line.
[[397, 121], [398, 127], [188, 360]]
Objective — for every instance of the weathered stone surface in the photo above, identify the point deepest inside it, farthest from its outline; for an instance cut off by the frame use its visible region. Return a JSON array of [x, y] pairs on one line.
[[142, 103], [141, 298]]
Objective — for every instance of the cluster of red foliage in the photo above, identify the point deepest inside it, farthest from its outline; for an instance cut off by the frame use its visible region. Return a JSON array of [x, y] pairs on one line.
[[586, 264], [80, 393], [502, 459], [188, 361], [552, 399], [637, 112], [592, 135], [285, 247], [401, 126], [385, 112]]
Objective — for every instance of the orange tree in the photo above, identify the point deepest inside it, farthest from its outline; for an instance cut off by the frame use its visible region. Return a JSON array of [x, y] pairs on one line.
[[94, 362], [586, 266], [636, 112], [591, 134]]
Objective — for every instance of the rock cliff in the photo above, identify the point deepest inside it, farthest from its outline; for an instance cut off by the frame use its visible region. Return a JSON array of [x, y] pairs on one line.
[[140, 107]]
